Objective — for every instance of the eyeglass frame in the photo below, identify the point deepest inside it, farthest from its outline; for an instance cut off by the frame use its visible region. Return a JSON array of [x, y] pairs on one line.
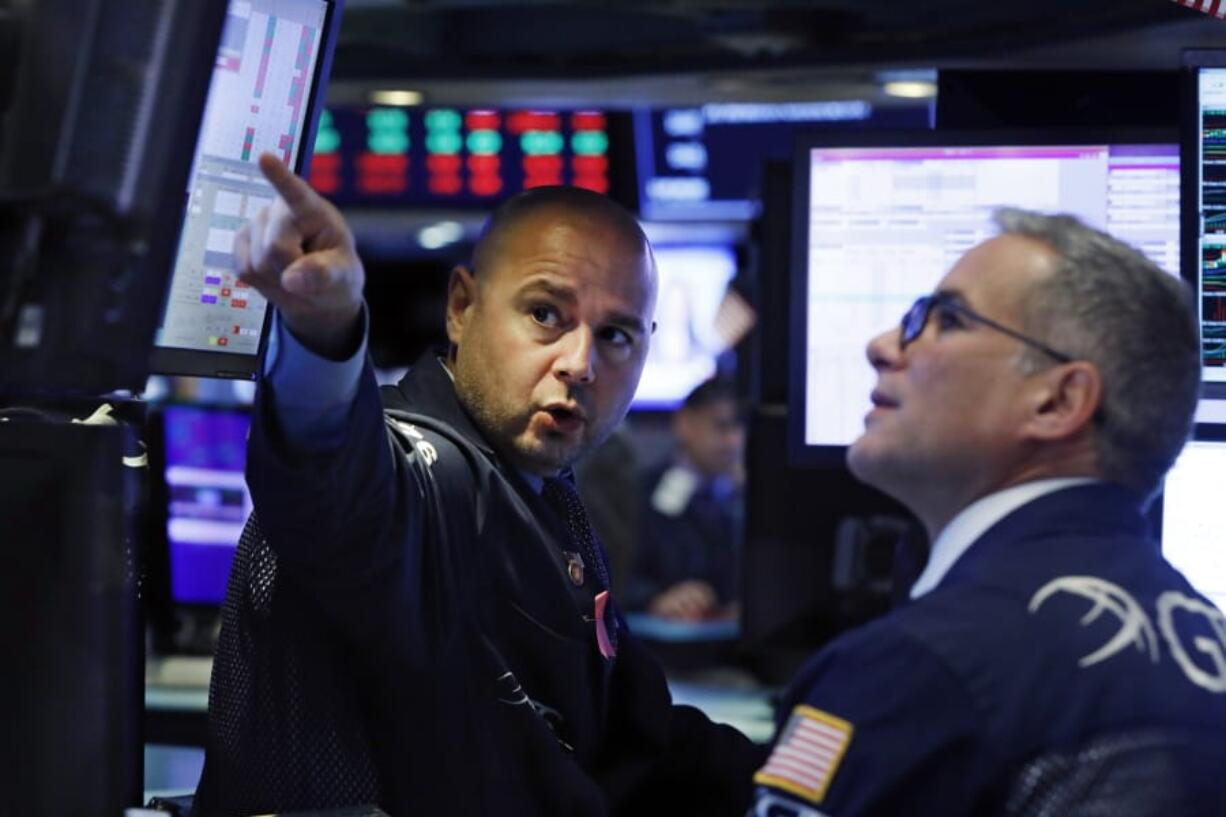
[[915, 320]]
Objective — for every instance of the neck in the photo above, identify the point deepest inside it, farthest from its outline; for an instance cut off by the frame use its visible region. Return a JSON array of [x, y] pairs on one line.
[[938, 512]]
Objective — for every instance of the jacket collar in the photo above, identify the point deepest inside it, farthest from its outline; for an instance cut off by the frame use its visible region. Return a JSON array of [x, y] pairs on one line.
[[1099, 510], [428, 388]]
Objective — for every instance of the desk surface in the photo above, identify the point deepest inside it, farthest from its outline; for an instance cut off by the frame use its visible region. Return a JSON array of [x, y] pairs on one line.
[[181, 684]]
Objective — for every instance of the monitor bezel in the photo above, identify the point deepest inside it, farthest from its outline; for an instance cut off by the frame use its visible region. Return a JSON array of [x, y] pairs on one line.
[[177, 361], [800, 453]]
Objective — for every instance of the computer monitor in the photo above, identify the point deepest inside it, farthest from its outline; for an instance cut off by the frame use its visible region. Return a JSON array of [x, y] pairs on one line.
[[1191, 526], [96, 126], [71, 692], [265, 96], [197, 459], [704, 163], [693, 282], [881, 217], [1203, 121]]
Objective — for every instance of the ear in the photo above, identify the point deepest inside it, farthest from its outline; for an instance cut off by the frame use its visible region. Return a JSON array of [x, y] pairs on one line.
[[461, 298], [1065, 400]]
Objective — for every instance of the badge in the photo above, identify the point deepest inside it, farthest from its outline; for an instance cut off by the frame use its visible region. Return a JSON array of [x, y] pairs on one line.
[[807, 754], [607, 648], [574, 567]]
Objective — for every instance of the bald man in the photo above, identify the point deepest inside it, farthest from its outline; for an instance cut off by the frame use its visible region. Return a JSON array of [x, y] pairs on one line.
[[421, 615]]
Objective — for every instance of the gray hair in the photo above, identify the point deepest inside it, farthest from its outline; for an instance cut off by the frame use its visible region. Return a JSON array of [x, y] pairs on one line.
[[1110, 305]]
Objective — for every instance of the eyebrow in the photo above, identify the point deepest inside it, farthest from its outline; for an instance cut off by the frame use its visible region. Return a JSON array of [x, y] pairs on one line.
[[624, 320]]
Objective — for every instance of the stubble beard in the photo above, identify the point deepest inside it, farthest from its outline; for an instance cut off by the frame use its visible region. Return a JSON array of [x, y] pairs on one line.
[[511, 434]]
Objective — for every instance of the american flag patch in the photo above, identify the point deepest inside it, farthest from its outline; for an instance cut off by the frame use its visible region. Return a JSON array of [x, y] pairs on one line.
[[807, 754], [1215, 7]]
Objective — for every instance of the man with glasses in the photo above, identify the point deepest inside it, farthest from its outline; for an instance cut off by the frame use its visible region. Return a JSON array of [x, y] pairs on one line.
[[1049, 659]]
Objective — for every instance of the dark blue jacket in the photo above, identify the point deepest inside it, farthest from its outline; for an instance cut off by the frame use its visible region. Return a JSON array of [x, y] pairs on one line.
[[1061, 625], [422, 647]]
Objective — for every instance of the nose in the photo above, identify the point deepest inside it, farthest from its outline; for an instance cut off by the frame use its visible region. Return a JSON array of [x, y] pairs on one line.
[[576, 357], [884, 350]]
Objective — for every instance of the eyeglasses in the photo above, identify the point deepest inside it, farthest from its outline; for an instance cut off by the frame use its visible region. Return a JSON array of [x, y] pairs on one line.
[[916, 318]]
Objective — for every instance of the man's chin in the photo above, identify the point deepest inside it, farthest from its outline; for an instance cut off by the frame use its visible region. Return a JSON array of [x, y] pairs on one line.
[[545, 457], [863, 462]]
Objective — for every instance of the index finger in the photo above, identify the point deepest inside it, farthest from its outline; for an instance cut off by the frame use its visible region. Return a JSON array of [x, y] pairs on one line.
[[296, 193]]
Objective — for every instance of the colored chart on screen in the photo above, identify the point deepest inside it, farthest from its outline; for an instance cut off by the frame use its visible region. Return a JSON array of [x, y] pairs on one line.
[[453, 157], [257, 103], [1212, 189]]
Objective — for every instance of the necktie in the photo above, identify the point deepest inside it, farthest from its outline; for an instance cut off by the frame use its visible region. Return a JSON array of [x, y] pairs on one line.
[[564, 499]]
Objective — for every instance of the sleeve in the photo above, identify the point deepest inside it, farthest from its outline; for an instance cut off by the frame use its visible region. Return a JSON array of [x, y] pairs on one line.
[[876, 724], [667, 758], [311, 395], [355, 527]]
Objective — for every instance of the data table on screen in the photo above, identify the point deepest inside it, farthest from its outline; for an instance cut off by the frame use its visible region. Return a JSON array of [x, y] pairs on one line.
[[886, 224]]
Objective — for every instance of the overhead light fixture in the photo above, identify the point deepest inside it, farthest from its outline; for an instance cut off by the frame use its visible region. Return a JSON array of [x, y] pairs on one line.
[[400, 98], [910, 89]]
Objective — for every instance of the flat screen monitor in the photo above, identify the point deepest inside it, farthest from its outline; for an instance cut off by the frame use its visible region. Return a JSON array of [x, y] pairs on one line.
[[100, 103], [881, 218], [704, 163], [1204, 205], [200, 455], [693, 283], [1191, 525], [265, 96]]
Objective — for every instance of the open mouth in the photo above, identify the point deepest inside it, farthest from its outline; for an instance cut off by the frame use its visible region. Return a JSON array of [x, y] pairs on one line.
[[563, 418]]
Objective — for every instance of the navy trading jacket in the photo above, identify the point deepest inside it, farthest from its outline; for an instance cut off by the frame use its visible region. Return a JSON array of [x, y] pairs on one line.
[[1059, 638], [400, 627]]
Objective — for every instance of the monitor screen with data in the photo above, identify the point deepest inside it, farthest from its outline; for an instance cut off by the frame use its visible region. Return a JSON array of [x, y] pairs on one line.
[[200, 453], [1191, 529], [1204, 204], [264, 97], [881, 219]]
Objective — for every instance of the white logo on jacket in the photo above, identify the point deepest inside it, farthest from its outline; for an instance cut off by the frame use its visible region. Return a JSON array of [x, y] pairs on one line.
[[1137, 628], [428, 452]]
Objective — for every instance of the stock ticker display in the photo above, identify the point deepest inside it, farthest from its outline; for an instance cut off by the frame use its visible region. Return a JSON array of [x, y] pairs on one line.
[[1213, 214], [452, 157], [1211, 195]]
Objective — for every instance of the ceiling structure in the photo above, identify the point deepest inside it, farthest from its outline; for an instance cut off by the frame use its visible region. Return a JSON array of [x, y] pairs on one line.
[[516, 52]]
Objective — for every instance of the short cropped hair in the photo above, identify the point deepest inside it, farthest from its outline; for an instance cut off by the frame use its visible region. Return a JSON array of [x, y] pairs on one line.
[[522, 206], [1108, 304]]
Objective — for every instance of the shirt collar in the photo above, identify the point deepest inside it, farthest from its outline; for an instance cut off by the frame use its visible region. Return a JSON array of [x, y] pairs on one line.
[[974, 520]]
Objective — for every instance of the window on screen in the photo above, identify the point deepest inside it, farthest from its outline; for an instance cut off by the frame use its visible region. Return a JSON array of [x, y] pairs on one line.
[[885, 224], [693, 281], [1191, 526]]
